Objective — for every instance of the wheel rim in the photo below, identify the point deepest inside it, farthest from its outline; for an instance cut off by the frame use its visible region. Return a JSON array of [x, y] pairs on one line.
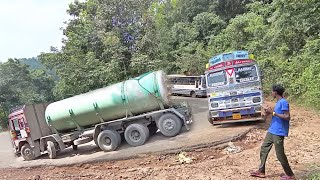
[[135, 135], [107, 140], [169, 124], [27, 152]]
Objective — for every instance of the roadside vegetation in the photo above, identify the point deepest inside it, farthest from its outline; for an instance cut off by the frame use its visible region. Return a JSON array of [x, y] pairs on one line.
[[110, 41]]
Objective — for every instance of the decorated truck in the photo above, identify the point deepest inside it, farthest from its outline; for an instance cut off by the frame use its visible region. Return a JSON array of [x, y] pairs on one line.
[[234, 88], [131, 110]]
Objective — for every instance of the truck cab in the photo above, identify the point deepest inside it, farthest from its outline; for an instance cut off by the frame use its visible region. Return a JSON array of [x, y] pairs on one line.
[[234, 88], [26, 127], [18, 128]]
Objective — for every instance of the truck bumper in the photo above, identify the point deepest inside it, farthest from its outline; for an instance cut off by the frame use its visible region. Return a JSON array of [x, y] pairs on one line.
[[218, 122], [242, 114]]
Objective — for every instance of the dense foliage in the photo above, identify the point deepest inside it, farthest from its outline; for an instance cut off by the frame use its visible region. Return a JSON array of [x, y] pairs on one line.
[[20, 84], [109, 41]]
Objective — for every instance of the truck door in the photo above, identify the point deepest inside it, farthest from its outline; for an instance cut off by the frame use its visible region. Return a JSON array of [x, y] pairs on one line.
[[14, 129], [18, 128]]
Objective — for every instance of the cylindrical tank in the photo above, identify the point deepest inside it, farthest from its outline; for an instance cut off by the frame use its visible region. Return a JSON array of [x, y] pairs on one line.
[[132, 97]]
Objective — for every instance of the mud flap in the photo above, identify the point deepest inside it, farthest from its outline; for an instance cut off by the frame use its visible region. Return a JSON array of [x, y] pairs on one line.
[[181, 117]]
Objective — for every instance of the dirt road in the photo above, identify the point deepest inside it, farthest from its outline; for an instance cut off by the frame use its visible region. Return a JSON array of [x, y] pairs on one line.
[[6, 155], [201, 134], [302, 147]]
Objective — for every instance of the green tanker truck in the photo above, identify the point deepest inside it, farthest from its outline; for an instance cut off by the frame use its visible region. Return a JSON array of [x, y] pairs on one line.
[[131, 110]]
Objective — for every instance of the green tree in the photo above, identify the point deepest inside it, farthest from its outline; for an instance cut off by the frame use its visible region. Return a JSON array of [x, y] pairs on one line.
[[109, 41], [21, 85]]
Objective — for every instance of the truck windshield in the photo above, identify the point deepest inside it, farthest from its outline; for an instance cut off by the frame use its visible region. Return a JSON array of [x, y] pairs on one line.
[[217, 79], [246, 73], [15, 124]]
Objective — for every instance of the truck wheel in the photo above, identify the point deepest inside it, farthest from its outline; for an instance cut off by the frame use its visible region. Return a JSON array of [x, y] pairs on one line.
[[136, 134], [193, 94], [27, 152], [108, 140], [169, 124], [119, 138], [51, 149], [210, 120]]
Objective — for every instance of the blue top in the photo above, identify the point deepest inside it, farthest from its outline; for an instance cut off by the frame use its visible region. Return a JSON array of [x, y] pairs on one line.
[[280, 126]]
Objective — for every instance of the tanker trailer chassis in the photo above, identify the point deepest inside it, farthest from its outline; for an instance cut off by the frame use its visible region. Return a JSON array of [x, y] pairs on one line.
[[135, 130]]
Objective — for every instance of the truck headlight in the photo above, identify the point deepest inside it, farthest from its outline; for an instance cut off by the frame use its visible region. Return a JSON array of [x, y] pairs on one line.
[[214, 114], [257, 108], [256, 99], [214, 105]]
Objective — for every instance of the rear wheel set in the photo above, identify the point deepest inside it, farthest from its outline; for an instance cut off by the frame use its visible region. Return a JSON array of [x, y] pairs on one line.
[[137, 134], [134, 134]]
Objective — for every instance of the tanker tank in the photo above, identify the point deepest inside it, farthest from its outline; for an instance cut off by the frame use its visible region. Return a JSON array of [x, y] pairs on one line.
[[145, 93]]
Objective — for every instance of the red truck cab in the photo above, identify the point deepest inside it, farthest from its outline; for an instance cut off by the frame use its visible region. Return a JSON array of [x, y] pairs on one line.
[[18, 128], [27, 126]]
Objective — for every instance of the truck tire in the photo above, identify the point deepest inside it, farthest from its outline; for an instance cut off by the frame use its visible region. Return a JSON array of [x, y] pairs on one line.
[[169, 124], [51, 149], [210, 119], [193, 94], [119, 138], [136, 134], [108, 140], [27, 152]]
